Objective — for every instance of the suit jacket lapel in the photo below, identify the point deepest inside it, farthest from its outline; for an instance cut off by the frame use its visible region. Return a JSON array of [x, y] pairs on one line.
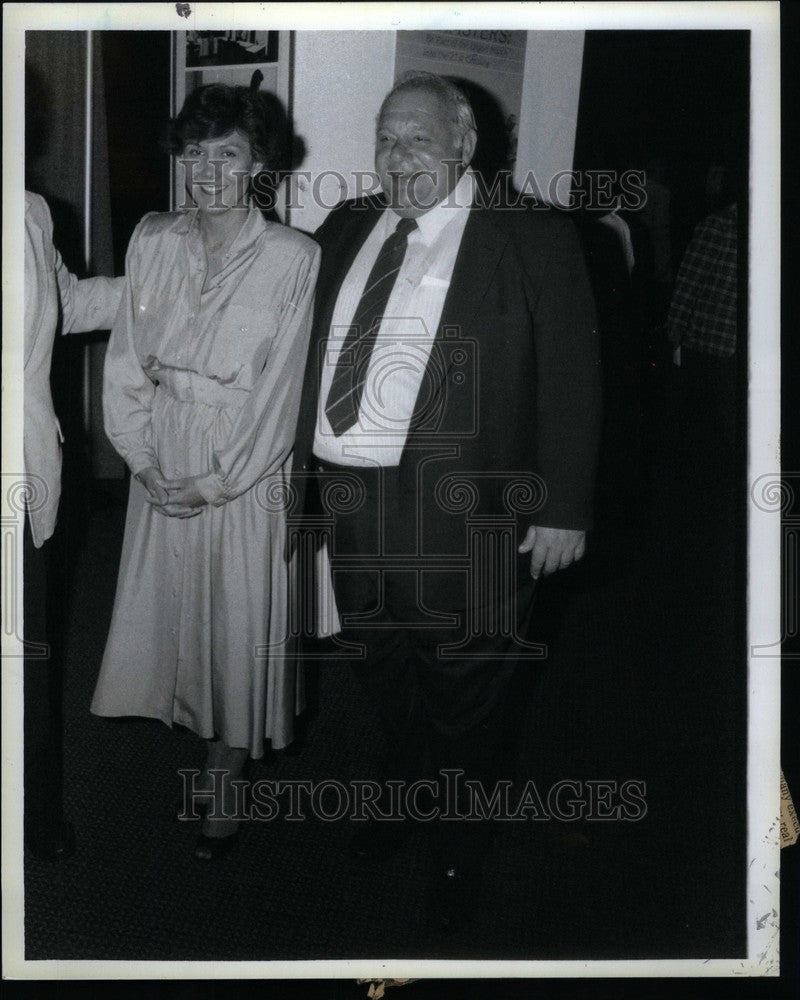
[[478, 257], [338, 253], [340, 256], [43, 295]]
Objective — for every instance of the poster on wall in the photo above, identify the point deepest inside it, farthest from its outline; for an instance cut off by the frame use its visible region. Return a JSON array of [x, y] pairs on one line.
[[490, 62]]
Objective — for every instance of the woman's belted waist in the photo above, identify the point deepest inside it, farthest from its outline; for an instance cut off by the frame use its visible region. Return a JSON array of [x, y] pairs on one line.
[[189, 387]]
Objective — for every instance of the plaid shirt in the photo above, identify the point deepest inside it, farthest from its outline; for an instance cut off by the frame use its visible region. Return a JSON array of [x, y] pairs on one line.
[[702, 314]]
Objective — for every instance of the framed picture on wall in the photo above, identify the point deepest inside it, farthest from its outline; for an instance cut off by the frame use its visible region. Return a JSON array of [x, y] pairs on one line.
[[230, 48]]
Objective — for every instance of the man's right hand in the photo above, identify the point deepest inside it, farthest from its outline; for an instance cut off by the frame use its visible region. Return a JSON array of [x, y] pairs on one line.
[[552, 548], [154, 483]]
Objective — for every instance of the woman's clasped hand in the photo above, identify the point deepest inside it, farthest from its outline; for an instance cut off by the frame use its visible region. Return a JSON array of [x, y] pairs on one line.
[[173, 497]]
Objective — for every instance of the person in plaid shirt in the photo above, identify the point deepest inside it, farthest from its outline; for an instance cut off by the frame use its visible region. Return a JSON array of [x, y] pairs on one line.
[[702, 322], [702, 314]]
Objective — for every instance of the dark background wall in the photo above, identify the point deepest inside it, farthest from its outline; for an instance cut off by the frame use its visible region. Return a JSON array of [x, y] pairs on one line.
[[137, 73], [681, 96]]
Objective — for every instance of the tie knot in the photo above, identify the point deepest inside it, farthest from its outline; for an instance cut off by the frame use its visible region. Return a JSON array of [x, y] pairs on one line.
[[404, 229]]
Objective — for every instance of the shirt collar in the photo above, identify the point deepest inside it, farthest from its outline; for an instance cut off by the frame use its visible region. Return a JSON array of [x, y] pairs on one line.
[[253, 226], [432, 223]]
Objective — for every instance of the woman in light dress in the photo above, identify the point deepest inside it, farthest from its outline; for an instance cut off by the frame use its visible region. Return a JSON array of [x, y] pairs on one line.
[[202, 383]]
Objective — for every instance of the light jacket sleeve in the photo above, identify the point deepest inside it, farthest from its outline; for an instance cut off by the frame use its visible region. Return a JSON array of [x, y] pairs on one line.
[[127, 391], [262, 435], [88, 304]]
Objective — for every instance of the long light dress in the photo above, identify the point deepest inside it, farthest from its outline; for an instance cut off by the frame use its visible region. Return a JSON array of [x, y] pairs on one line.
[[207, 382]]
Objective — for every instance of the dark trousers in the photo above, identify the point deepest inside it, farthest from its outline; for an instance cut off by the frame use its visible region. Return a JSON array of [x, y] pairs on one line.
[[42, 692], [712, 406], [440, 711]]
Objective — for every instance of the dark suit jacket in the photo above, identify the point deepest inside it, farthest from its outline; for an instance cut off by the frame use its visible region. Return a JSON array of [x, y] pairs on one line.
[[512, 389]]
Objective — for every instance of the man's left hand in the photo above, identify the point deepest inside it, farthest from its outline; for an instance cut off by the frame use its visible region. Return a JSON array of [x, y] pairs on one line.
[[552, 549]]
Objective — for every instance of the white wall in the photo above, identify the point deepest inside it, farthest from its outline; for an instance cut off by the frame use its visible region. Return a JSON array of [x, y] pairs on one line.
[[340, 79], [551, 88]]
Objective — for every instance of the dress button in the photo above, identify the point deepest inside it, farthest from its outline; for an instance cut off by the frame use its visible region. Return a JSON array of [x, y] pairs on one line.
[[176, 553]]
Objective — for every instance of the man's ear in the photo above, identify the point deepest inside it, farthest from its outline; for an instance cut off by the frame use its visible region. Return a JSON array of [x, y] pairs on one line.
[[256, 168], [468, 147]]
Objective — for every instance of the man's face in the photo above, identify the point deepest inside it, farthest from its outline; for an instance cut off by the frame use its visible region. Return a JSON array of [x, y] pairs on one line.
[[419, 154]]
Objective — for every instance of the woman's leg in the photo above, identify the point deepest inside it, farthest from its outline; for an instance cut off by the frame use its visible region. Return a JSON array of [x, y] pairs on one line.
[[230, 761]]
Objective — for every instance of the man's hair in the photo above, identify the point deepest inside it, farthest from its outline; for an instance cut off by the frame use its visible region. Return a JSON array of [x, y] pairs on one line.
[[216, 110], [448, 92]]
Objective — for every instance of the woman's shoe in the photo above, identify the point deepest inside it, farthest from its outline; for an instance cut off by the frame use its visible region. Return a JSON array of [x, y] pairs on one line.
[[209, 849]]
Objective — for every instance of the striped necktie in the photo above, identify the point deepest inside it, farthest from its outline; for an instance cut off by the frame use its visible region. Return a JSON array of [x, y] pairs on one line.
[[347, 387]]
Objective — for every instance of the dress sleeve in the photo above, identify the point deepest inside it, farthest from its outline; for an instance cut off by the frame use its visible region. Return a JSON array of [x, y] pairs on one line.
[[127, 391], [263, 434]]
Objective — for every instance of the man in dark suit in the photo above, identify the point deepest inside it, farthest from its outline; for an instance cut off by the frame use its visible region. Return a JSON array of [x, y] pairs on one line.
[[446, 451]]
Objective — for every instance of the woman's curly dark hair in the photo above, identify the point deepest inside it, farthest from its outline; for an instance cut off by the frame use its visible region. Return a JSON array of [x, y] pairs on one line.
[[217, 109]]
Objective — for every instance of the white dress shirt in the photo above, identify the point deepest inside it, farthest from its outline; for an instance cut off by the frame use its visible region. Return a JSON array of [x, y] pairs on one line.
[[405, 338]]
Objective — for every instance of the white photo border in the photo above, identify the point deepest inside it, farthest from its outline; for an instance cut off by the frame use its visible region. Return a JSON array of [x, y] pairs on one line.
[[764, 527]]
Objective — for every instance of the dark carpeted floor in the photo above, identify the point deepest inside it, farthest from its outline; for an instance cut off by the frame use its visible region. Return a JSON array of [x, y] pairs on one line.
[[645, 680]]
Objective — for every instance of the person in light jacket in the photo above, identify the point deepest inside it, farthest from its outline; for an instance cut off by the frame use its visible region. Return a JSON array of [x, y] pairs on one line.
[[90, 304]]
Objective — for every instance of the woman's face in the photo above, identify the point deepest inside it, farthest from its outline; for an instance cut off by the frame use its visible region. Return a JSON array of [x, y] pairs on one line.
[[217, 171]]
